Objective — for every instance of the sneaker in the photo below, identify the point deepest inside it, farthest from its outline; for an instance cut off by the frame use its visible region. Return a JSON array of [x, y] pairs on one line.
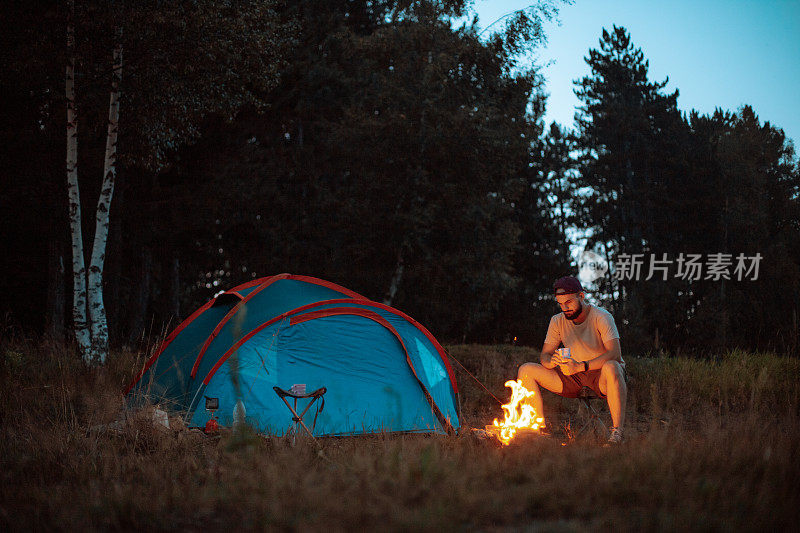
[[615, 438]]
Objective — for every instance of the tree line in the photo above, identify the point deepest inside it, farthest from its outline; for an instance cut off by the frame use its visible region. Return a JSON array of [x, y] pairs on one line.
[[388, 147]]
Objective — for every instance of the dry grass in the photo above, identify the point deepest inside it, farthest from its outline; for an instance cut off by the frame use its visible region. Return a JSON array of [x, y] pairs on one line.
[[712, 445]]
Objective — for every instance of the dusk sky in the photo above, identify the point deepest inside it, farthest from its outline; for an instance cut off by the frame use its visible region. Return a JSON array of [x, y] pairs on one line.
[[718, 53]]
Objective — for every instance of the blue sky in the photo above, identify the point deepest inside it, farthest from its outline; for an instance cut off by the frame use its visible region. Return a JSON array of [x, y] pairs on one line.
[[718, 53]]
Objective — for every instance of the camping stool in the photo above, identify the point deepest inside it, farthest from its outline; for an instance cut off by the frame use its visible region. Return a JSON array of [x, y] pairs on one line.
[[586, 395], [298, 418]]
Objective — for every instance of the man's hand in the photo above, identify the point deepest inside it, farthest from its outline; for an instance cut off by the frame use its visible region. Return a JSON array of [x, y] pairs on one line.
[[570, 366], [548, 357]]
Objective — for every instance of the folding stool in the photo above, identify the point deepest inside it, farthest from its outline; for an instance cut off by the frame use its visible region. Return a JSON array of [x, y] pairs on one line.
[[298, 418], [586, 395]]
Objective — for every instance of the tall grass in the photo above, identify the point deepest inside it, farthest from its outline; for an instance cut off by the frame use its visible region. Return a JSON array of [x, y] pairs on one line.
[[712, 444]]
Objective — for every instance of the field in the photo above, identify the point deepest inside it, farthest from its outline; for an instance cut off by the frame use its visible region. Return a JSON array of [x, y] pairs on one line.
[[710, 445]]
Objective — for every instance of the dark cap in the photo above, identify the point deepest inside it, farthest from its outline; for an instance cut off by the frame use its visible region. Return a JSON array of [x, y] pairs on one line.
[[567, 285]]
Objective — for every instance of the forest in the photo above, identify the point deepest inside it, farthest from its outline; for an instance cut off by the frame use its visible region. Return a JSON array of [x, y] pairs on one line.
[[387, 146]]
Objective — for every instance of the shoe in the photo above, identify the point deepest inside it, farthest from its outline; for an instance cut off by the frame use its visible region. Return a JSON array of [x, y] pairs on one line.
[[615, 438]]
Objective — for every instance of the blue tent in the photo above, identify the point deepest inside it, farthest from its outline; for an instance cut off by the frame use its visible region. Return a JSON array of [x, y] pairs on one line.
[[383, 371]]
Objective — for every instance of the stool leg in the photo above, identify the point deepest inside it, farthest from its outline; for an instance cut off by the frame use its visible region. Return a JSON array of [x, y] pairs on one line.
[[589, 413], [296, 429], [594, 420], [298, 422], [598, 425]]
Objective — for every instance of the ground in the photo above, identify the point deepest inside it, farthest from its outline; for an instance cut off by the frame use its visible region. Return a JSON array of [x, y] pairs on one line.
[[711, 445]]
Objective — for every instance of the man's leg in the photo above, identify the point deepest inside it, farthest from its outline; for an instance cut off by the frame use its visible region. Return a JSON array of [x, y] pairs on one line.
[[612, 384], [533, 376]]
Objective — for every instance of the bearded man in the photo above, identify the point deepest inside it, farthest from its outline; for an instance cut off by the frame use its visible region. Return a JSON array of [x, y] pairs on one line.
[[594, 360]]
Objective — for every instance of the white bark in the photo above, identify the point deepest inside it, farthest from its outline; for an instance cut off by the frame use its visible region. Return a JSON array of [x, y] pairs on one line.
[[78, 268], [97, 309]]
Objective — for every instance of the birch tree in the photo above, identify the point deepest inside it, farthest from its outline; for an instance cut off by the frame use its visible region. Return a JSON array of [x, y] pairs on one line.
[[97, 311], [191, 59], [79, 317], [91, 334]]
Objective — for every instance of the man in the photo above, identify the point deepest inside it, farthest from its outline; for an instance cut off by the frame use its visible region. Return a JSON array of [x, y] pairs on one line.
[[595, 357]]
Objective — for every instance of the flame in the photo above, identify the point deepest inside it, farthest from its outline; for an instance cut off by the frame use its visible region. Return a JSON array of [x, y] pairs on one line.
[[518, 415]]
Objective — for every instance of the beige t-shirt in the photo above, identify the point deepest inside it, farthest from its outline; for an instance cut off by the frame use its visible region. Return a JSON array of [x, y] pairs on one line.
[[584, 340]]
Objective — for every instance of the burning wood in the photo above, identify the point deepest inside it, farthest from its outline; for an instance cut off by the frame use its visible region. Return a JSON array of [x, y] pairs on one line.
[[521, 417]]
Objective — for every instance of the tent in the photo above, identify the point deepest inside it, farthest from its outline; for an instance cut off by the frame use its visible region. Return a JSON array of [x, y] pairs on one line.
[[383, 371]]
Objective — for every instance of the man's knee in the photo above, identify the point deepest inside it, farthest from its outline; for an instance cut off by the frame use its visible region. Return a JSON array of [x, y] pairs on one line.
[[613, 370], [529, 371]]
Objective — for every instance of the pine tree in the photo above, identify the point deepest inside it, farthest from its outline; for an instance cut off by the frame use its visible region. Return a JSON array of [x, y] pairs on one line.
[[630, 136]]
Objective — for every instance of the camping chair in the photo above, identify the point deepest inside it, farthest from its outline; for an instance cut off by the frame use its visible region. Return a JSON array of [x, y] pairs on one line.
[[593, 420], [298, 393]]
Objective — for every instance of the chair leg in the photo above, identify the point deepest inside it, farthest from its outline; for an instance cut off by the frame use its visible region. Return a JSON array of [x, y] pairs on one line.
[[589, 420], [593, 420], [601, 430]]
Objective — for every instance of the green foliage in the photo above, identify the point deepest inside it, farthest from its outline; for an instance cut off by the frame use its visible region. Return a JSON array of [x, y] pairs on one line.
[[392, 139], [345, 139], [631, 138], [184, 61], [629, 135], [751, 171], [544, 210], [433, 134], [663, 184]]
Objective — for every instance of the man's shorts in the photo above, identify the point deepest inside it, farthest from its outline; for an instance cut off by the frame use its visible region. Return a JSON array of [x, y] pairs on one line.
[[573, 383]]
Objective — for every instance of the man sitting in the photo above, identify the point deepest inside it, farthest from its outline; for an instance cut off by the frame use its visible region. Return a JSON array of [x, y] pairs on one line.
[[595, 357]]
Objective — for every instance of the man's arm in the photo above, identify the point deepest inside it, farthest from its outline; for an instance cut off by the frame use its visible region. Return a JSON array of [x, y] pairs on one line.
[[613, 353], [546, 357]]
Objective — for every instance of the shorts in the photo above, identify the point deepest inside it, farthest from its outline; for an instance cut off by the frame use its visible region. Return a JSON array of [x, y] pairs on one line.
[[575, 382]]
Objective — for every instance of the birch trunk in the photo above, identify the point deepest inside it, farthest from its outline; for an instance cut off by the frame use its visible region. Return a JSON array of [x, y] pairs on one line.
[[78, 266], [97, 310]]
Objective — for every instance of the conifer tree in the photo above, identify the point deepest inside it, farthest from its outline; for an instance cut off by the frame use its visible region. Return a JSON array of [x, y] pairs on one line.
[[629, 138]]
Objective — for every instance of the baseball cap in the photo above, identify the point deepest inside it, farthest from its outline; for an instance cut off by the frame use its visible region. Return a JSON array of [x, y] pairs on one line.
[[567, 285]]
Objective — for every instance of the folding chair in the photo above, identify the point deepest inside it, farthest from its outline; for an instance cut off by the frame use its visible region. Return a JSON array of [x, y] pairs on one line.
[[297, 393], [586, 395]]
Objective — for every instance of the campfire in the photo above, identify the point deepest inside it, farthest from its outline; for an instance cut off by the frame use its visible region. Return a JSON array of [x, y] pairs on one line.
[[521, 417]]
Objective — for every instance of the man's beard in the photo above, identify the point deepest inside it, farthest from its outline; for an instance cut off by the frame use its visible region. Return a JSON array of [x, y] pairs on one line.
[[575, 314]]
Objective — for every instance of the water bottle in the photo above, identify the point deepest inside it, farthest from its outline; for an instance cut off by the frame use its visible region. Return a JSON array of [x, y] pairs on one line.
[[239, 413]]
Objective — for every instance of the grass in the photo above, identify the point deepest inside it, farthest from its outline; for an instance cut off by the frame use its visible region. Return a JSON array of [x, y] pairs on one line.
[[711, 445]]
